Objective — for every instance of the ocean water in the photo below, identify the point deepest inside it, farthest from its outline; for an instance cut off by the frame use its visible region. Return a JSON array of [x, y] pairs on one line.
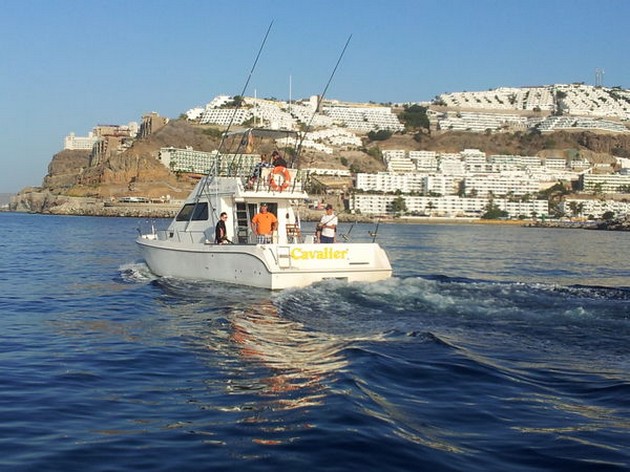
[[493, 348]]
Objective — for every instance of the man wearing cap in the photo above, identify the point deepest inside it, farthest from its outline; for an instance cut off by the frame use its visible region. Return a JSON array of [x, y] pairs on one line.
[[263, 224], [328, 226]]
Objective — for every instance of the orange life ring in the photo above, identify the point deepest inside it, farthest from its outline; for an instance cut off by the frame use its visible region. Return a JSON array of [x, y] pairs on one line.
[[279, 170]]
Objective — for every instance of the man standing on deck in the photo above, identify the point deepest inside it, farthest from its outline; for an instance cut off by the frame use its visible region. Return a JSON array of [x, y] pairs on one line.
[[328, 226], [263, 224]]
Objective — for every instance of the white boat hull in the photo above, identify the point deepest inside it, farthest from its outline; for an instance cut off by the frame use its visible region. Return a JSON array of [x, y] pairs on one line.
[[270, 266]]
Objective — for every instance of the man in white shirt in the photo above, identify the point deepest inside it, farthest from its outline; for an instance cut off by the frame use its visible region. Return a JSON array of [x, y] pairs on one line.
[[328, 226]]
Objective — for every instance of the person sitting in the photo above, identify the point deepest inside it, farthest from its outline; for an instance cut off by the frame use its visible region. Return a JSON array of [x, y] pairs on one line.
[[277, 160], [258, 168], [220, 231], [263, 224]]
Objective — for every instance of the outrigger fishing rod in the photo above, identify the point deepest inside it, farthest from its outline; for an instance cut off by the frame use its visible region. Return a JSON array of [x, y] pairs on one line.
[[249, 77], [319, 101], [225, 133]]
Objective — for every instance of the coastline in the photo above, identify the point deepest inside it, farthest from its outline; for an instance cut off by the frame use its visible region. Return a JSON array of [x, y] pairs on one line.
[[82, 206]]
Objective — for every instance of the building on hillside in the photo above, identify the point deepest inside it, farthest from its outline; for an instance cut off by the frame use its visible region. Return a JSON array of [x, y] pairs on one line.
[[200, 162], [605, 183], [225, 116], [425, 161], [107, 146], [555, 163], [151, 122], [594, 207], [73, 142], [364, 119], [474, 160], [500, 184], [111, 140], [390, 182], [446, 206]]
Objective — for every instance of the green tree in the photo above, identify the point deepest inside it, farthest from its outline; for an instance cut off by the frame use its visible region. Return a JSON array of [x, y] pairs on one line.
[[415, 117], [380, 135], [576, 208], [399, 206], [493, 212]]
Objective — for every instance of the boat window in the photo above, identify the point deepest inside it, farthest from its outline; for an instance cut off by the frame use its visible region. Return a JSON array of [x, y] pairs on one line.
[[198, 211]]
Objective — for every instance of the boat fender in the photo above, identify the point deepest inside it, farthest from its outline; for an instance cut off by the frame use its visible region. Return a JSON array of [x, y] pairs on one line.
[[279, 170]]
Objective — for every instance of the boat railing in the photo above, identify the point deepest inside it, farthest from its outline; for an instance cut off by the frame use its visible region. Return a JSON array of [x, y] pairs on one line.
[[182, 236]]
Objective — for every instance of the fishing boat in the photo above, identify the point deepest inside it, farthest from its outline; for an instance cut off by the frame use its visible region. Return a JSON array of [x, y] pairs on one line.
[[234, 185]]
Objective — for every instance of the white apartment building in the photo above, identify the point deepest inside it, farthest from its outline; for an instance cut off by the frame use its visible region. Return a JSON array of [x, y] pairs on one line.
[[186, 160], [225, 116], [474, 160], [605, 183], [200, 162], [574, 99], [555, 163], [594, 207], [451, 165], [390, 182], [425, 161], [514, 176], [442, 184], [447, 206], [364, 119], [74, 142], [501, 184]]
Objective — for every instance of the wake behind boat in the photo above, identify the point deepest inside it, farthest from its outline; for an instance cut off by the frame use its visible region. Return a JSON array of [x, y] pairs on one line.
[[234, 185]]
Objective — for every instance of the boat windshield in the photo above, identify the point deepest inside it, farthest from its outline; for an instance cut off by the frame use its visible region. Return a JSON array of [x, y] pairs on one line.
[[199, 212]]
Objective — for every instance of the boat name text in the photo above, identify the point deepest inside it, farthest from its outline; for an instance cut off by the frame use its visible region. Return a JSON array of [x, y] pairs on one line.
[[328, 253]]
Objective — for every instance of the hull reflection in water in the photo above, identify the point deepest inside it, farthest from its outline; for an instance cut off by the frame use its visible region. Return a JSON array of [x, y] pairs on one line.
[[297, 359]]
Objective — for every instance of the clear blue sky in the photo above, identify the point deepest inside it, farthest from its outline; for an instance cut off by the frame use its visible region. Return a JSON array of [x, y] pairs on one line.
[[67, 65]]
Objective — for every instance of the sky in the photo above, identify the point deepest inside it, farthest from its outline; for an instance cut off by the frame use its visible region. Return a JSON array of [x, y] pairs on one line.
[[68, 65]]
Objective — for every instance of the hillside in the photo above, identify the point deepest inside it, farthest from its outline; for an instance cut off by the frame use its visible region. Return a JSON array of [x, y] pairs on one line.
[[137, 171]]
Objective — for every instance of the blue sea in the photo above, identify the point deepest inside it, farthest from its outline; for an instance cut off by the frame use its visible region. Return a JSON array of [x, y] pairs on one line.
[[493, 348]]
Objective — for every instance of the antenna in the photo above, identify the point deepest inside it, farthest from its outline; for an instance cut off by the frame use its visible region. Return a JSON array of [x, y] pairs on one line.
[[290, 91], [599, 77]]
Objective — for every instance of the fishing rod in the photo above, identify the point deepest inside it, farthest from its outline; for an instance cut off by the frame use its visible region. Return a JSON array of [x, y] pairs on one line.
[[319, 101], [375, 232], [346, 236], [225, 133]]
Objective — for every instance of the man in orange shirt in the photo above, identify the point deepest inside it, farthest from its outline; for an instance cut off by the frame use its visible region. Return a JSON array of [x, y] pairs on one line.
[[263, 224]]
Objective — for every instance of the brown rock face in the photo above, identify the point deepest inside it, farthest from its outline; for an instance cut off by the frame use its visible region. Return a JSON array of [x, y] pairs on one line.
[[65, 169], [136, 171]]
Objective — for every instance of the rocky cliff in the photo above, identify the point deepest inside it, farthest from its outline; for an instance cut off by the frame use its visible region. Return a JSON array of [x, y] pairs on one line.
[[72, 186]]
